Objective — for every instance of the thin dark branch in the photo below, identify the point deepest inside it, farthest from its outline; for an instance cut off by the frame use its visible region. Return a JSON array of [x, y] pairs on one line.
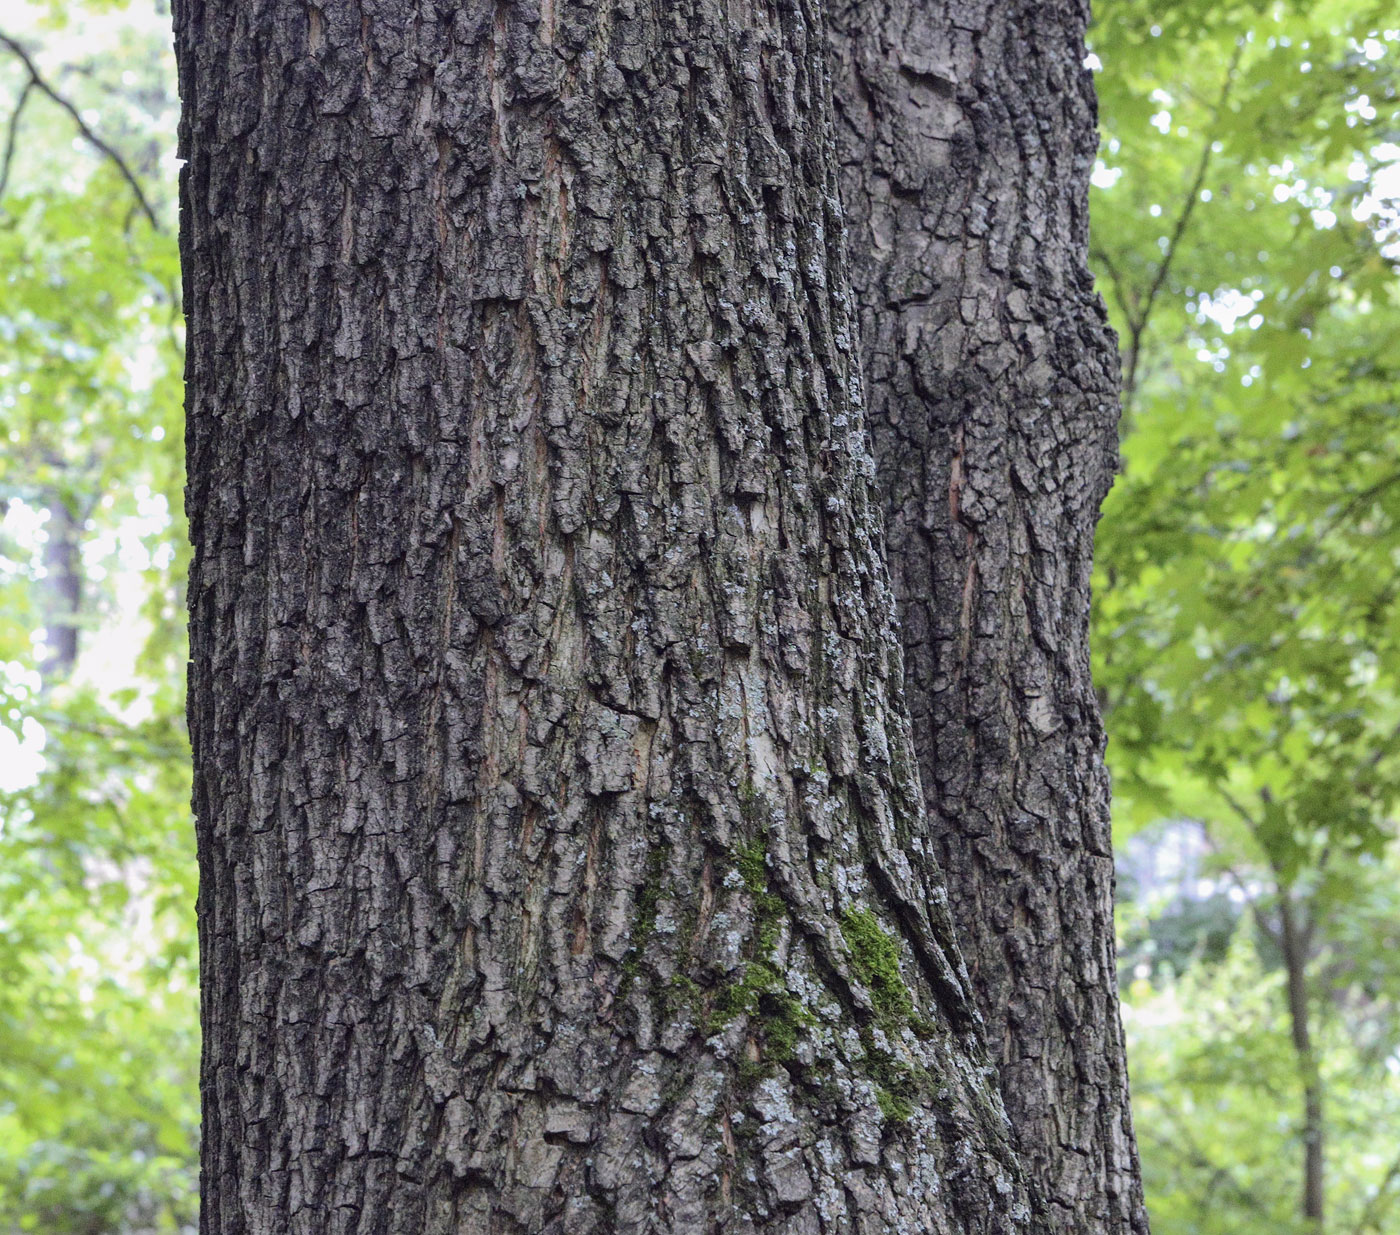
[[1238, 807], [11, 134], [37, 79], [1371, 1216], [1358, 500], [1188, 1149], [1183, 221], [1121, 290], [128, 741], [1382, 750]]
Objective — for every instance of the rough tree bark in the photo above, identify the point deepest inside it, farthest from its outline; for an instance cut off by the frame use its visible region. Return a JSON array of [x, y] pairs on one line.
[[968, 133], [563, 861]]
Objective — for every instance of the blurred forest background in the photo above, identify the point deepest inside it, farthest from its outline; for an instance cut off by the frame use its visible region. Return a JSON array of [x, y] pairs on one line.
[[1247, 240]]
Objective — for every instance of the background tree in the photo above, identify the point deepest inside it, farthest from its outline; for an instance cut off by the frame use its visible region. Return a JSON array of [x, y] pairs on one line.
[[563, 863], [1247, 619], [968, 137], [98, 1007]]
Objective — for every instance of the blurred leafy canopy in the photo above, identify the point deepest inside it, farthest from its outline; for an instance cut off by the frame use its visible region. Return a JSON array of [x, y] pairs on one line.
[[98, 1006], [1248, 553], [1246, 635]]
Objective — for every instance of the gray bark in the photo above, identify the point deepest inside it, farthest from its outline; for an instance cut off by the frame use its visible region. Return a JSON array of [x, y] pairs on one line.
[[563, 860], [61, 592], [968, 133]]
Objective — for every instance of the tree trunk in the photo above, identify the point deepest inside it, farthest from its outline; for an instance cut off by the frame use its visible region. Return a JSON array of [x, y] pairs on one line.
[[61, 592], [1296, 940], [968, 134], [563, 860]]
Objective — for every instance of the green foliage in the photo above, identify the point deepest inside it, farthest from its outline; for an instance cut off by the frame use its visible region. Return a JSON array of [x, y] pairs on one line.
[[1248, 552], [1215, 1088], [98, 985], [1180, 936], [1247, 635]]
